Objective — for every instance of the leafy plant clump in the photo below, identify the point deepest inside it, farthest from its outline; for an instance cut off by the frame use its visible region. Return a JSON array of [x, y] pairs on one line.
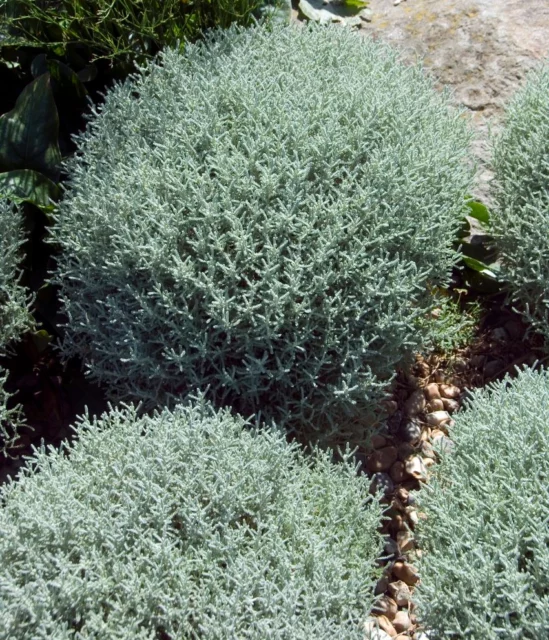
[[262, 217], [120, 30], [521, 218], [186, 525], [485, 562]]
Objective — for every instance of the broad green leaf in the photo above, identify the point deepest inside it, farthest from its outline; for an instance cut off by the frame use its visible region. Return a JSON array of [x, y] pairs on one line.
[[66, 80], [356, 4], [477, 265], [479, 211], [25, 185], [29, 132]]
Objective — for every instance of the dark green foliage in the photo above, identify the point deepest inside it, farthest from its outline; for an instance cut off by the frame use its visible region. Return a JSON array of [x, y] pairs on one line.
[[119, 30]]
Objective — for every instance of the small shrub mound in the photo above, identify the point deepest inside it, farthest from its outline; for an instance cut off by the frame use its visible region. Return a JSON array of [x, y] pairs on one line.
[[485, 563], [262, 216], [521, 217], [185, 525], [14, 313]]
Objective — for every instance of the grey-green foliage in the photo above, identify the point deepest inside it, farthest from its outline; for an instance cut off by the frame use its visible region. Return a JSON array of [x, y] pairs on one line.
[[521, 216], [261, 217], [186, 525], [485, 564], [14, 313]]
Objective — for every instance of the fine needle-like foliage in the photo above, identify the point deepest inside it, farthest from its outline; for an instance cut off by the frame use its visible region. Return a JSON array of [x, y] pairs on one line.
[[263, 217], [485, 563], [186, 525], [14, 313], [521, 217]]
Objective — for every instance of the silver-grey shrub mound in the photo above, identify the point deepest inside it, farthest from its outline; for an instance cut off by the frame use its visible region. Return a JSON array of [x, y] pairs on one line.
[[185, 525], [521, 215], [261, 217], [485, 564], [14, 312]]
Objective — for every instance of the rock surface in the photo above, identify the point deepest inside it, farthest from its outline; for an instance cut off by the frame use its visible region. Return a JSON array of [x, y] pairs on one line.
[[481, 49]]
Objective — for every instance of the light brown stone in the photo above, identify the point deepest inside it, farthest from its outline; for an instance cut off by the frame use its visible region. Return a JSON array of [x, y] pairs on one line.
[[414, 467], [402, 621], [412, 516], [405, 541], [381, 459], [437, 418], [450, 405], [385, 625], [431, 392], [449, 391], [400, 592], [435, 405], [405, 450], [402, 494], [406, 572], [385, 606], [378, 441], [373, 632]]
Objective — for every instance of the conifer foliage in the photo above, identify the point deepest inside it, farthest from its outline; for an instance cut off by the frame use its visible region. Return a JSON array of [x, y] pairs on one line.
[[262, 217]]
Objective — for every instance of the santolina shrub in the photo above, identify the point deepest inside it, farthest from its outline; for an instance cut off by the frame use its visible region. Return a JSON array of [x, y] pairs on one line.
[[261, 217], [521, 217], [485, 563], [185, 525], [14, 313]]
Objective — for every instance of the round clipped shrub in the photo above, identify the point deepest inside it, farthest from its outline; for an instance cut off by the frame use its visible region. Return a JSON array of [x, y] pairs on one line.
[[264, 217], [485, 563], [186, 525], [521, 216]]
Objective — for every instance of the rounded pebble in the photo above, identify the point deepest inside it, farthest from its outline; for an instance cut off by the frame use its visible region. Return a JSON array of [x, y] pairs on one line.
[[373, 632], [437, 418], [400, 592], [415, 468], [431, 392], [381, 459], [410, 431], [382, 482], [450, 405], [406, 572], [449, 391], [402, 621]]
